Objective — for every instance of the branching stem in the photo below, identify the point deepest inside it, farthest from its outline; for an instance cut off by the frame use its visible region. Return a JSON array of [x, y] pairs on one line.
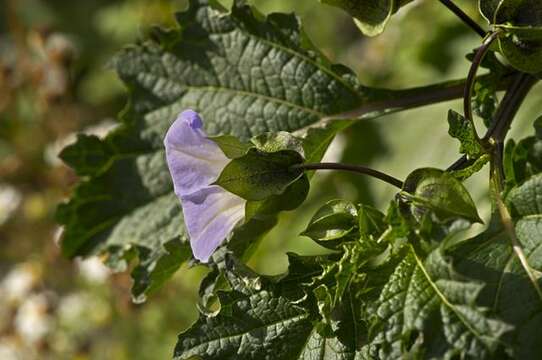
[[464, 17], [515, 94], [352, 168], [471, 78]]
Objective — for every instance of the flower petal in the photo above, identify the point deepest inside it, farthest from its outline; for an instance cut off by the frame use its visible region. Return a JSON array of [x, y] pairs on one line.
[[210, 215], [194, 161]]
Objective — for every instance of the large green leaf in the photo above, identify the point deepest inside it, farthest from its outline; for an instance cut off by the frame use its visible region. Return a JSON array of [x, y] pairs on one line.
[[244, 75], [263, 325], [489, 257], [427, 311], [264, 318]]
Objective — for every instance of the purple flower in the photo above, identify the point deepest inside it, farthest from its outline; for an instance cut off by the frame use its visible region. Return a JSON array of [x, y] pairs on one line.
[[195, 162]]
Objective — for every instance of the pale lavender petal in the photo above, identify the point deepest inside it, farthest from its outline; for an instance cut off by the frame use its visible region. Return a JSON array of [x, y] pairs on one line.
[[210, 215], [193, 160]]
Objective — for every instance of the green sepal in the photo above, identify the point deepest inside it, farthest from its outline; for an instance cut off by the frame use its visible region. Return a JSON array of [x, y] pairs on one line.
[[438, 191], [290, 199], [258, 175], [332, 223]]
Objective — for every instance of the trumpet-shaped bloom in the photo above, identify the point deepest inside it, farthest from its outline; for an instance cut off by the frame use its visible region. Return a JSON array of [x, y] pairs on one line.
[[195, 162]]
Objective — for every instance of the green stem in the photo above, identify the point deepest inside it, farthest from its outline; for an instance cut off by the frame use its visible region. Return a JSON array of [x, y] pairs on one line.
[[352, 168]]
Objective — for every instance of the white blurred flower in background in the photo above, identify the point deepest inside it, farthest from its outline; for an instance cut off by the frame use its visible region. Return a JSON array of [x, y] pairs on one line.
[[18, 283], [10, 199], [32, 321], [93, 270], [11, 350], [82, 305]]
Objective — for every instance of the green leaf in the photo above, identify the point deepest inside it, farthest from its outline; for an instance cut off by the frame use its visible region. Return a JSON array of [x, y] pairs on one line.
[[259, 175], [440, 192], [371, 16], [489, 257], [335, 279], [290, 199], [371, 222], [319, 347], [524, 159], [428, 311], [245, 76], [488, 8], [485, 100], [521, 21], [484, 95], [331, 223], [259, 320], [231, 146], [154, 270], [513, 13], [523, 53], [87, 156], [471, 169], [260, 325], [317, 138], [461, 129], [273, 142]]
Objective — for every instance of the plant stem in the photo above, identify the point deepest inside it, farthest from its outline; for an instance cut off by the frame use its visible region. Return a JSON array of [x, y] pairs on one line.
[[517, 90], [404, 99], [464, 17], [352, 168], [508, 225], [510, 105], [471, 78], [516, 93], [460, 163]]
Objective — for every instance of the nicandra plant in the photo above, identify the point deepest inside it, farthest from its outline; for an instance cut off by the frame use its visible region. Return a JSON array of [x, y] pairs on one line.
[[228, 118]]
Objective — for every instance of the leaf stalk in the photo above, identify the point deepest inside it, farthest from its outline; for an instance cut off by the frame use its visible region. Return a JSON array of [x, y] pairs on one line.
[[352, 168]]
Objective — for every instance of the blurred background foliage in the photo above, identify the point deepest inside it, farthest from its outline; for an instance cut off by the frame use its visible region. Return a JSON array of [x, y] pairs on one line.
[[54, 82]]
